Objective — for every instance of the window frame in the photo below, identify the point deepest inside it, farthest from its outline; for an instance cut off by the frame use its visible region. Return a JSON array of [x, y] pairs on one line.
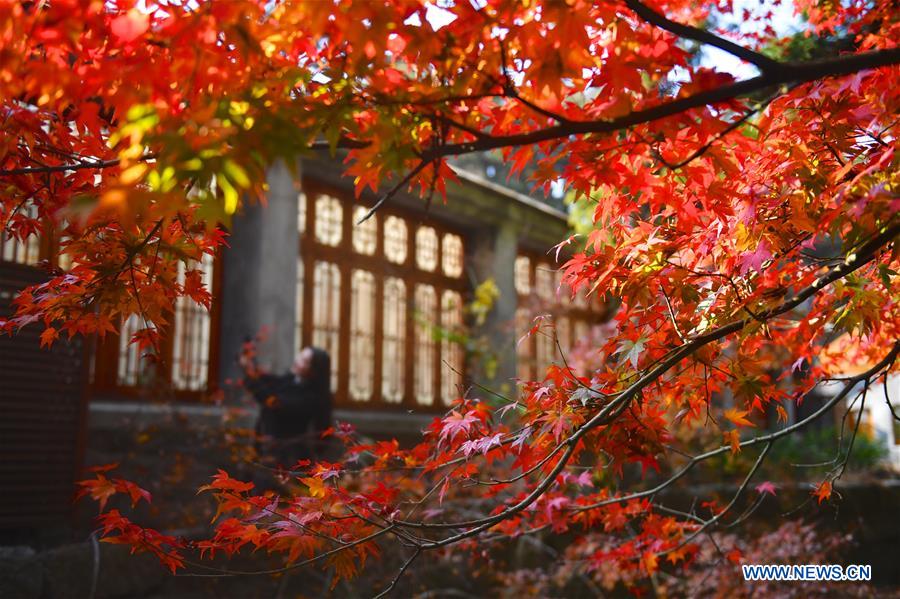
[[348, 259], [103, 371], [104, 379], [595, 312]]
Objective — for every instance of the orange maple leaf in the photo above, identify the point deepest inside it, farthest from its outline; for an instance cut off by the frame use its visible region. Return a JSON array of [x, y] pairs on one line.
[[49, 336], [100, 490], [223, 482], [738, 417], [823, 491]]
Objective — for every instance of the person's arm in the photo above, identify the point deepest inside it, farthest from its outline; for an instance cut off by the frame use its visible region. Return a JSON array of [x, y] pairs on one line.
[[261, 387]]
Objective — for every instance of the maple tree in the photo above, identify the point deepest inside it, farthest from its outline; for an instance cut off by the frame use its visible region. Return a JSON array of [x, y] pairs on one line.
[[742, 225]]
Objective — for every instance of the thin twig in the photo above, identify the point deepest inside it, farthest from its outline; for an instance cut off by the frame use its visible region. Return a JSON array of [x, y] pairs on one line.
[[403, 569]]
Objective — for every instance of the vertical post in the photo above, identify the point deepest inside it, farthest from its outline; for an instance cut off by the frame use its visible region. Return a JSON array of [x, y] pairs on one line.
[[260, 277], [491, 253]]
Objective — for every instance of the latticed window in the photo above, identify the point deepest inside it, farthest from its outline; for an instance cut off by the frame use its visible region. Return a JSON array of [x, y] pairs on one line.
[[365, 234], [326, 310], [362, 335], [298, 315], [23, 252], [523, 275], [395, 245], [393, 361], [424, 355], [452, 355], [301, 213], [426, 248], [452, 255], [190, 347], [329, 220], [373, 296], [185, 365], [545, 344], [566, 320], [543, 282], [130, 365], [301, 274]]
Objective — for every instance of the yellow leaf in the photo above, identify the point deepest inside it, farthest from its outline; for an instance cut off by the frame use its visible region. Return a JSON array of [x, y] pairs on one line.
[[236, 173], [230, 193], [316, 486], [133, 173], [738, 417]]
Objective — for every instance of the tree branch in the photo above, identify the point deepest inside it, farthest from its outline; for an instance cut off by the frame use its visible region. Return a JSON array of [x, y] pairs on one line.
[[848, 387], [399, 575], [788, 73], [393, 190], [72, 166], [864, 254], [764, 63], [318, 145]]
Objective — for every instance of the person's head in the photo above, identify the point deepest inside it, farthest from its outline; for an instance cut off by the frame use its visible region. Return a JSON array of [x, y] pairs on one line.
[[313, 363], [303, 363]]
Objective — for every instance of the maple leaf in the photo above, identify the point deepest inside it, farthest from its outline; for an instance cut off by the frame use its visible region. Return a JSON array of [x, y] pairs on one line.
[[100, 490], [195, 289], [679, 554], [669, 204], [650, 562], [755, 259], [738, 417], [632, 350], [135, 492], [766, 487], [456, 423], [223, 482], [396, 43], [344, 567], [823, 491], [146, 338], [48, 336], [316, 486]]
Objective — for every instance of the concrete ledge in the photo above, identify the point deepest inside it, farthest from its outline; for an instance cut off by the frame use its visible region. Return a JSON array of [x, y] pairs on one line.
[[112, 415], [385, 424]]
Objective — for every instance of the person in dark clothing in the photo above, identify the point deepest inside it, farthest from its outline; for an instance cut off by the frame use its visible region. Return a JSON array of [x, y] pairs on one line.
[[294, 408]]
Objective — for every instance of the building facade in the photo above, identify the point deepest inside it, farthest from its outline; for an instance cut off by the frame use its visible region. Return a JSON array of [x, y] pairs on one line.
[[303, 272]]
